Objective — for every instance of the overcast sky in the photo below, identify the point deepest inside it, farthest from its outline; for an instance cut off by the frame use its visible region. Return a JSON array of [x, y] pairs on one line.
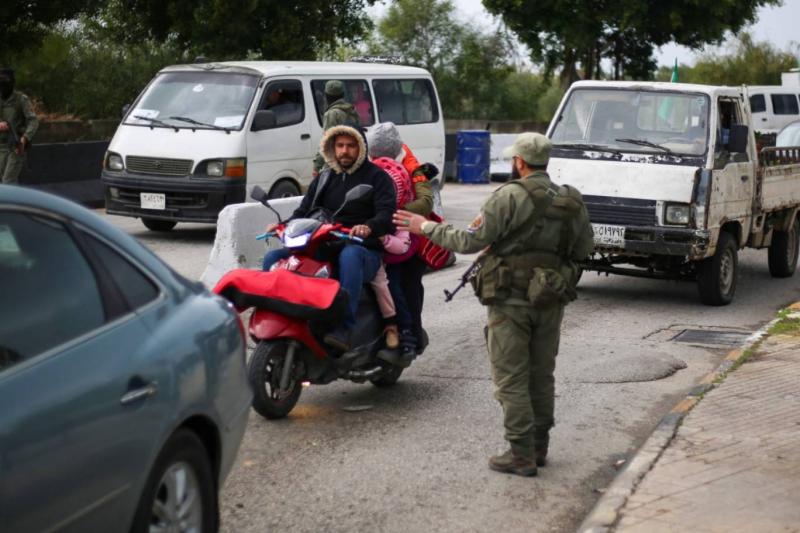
[[778, 25]]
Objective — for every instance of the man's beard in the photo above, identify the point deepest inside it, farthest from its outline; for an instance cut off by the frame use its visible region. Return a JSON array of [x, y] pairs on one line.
[[514, 172], [345, 163]]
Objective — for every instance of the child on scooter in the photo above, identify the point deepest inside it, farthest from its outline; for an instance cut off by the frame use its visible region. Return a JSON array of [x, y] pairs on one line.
[[401, 245]]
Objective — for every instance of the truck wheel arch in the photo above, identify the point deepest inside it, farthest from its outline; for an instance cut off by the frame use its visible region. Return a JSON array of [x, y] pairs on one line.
[[735, 229]]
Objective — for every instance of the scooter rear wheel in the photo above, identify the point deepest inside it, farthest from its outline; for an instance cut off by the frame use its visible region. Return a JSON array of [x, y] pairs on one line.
[[264, 374]]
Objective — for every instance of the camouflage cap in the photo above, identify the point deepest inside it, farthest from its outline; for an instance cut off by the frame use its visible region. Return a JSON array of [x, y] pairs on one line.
[[533, 148], [334, 88]]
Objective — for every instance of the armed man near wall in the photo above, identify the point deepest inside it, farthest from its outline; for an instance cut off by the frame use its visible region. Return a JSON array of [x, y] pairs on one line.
[[338, 112], [532, 233], [18, 124]]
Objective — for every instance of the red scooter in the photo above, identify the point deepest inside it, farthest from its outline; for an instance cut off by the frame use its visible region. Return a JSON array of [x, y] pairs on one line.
[[296, 303]]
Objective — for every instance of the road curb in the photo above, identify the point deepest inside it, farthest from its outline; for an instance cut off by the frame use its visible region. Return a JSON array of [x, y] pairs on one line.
[[605, 514]]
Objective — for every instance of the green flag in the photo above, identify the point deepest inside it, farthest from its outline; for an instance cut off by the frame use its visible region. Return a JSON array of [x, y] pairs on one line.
[[674, 78]]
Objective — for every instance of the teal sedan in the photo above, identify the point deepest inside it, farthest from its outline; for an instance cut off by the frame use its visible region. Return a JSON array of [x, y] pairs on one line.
[[123, 389]]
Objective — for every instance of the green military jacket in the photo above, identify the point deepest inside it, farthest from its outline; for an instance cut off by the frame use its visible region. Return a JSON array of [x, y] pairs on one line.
[[17, 111], [507, 222], [340, 112]]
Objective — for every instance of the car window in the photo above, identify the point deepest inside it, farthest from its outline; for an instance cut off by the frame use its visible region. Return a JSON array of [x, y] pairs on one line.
[[757, 103], [285, 99], [406, 101], [50, 293], [784, 104], [135, 287], [356, 92]]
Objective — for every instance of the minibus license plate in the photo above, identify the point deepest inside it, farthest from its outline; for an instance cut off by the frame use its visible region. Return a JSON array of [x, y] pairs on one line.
[[152, 200], [609, 235]]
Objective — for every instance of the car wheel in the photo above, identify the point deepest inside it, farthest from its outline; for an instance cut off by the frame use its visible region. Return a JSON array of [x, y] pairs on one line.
[[782, 258], [154, 224], [716, 280], [264, 374], [180, 494], [284, 189]]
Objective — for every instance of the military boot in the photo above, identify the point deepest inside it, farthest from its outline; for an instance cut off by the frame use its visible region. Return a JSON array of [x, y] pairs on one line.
[[541, 441], [513, 463]]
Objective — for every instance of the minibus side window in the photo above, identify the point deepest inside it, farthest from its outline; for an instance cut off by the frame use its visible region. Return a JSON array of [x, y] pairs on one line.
[[757, 103], [784, 104], [406, 101], [285, 99], [356, 92]]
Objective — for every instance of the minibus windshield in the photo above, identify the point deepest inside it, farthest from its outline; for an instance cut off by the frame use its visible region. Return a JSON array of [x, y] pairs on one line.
[[633, 120], [195, 100]]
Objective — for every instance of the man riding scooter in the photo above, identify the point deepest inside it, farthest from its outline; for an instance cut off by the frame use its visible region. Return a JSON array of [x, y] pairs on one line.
[[369, 218]]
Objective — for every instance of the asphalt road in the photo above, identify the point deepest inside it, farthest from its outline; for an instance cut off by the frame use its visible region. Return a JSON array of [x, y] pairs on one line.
[[413, 458]]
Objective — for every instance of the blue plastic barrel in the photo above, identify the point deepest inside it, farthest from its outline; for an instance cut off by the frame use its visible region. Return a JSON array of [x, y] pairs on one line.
[[472, 156]]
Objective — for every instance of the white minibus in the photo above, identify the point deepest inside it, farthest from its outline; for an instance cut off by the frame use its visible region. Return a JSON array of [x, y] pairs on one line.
[[200, 136]]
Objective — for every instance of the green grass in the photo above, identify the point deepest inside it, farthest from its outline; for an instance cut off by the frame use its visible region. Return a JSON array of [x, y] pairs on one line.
[[786, 325]]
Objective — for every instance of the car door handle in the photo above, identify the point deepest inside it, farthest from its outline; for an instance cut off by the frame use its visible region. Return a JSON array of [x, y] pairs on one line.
[[745, 178], [139, 394], [305, 136]]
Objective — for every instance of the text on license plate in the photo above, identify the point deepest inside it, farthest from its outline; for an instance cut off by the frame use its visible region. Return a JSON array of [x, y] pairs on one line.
[[152, 200], [609, 234]]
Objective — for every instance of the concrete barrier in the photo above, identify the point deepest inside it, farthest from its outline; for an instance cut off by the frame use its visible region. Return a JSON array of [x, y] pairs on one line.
[[235, 245]]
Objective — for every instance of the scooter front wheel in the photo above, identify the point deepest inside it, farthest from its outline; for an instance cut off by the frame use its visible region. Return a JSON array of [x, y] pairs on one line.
[[388, 377], [264, 372]]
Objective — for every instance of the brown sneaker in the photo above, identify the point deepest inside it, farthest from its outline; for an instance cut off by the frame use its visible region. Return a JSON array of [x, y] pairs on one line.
[[392, 336], [511, 463]]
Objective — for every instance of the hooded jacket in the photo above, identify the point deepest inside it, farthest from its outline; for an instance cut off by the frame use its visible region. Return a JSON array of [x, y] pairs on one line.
[[375, 210]]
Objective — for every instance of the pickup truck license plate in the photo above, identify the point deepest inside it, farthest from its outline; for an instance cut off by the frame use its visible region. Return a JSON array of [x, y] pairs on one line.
[[609, 235], [152, 200]]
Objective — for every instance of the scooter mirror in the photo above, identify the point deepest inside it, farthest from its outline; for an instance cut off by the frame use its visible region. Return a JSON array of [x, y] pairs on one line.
[[359, 191], [259, 195]]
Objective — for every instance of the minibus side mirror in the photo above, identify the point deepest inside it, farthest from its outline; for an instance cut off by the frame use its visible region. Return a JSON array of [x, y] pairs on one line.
[[264, 120]]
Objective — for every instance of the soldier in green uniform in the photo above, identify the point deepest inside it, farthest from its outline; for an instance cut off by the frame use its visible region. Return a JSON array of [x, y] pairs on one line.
[[18, 124], [531, 232], [339, 112]]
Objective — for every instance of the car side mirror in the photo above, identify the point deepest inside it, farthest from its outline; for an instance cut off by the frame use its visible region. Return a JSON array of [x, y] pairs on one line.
[[737, 143], [264, 120], [125, 109]]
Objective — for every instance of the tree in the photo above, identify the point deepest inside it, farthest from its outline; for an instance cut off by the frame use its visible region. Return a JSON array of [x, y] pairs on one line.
[[25, 23], [424, 33], [568, 33], [746, 63], [233, 29]]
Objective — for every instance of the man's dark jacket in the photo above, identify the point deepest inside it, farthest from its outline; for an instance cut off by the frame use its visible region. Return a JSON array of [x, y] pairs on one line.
[[375, 210]]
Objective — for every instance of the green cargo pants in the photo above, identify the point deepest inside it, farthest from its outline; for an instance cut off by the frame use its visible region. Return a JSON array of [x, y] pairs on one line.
[[10, 166], [523, 343]]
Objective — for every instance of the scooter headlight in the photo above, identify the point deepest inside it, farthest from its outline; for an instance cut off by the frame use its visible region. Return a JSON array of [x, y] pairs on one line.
[[297, 241]]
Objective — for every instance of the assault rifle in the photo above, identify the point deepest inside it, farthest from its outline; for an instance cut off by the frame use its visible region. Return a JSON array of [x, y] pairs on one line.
[[466, 277], [14, 142]]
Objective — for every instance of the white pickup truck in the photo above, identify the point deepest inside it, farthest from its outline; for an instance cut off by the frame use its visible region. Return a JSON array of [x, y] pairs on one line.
[[674, 183]]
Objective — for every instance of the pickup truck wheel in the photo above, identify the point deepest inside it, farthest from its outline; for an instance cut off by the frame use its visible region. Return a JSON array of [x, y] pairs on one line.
[[782, 258], [154, 224], [716, 280]]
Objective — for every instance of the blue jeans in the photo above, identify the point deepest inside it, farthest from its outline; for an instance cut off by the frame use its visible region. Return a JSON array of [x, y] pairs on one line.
[[357, 265]]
